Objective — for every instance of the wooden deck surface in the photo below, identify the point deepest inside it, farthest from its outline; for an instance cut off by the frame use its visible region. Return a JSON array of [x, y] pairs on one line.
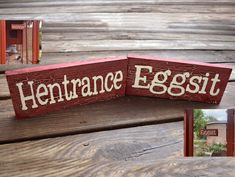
[[130, 136]]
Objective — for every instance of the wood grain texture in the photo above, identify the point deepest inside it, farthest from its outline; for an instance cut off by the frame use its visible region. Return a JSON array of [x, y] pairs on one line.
[[64, 33], [90, 154], [128, 25], [210, 56], [154, 150], [126, 31], [121, 7], [4, 91], [183, 80], [121, 112], [43, 89], [109, 45], [192, 167], [187, 6], [124, 144]]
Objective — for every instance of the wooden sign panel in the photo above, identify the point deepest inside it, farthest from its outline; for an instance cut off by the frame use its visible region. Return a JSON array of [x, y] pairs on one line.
[[38, 90], [193, 81], [208, 132], [18, 26]]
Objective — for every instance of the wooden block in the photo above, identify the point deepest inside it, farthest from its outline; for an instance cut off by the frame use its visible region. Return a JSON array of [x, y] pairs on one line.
[[38, 90], [193, 81]]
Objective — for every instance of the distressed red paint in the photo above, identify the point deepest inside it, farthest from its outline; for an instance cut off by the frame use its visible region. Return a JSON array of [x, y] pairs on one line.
[[44, 89], [174, 79]]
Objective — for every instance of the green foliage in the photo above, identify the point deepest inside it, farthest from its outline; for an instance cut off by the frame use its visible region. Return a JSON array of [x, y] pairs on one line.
[[203, 149], [199, 122], [200, 153], [217, 147]]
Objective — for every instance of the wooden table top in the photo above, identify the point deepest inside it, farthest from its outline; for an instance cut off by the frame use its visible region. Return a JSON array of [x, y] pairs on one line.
[[129, 136]]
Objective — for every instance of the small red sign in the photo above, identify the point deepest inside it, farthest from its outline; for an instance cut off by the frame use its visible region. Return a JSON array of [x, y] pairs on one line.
[[43, 89], [17, 26], [174, 79], [208, 132]]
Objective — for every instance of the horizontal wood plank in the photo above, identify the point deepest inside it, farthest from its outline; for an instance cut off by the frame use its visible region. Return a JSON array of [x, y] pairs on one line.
[[192, 167], [4, 93], [137, 139], [118, 20], [121, 112], [65, 34], [126, 31], [147, 150], [83, 155], [122, 7], [210, 56], [109, 45], [11, 3]]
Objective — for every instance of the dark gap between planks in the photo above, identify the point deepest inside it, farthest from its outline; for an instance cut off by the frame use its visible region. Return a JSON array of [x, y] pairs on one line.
[[92, 130]]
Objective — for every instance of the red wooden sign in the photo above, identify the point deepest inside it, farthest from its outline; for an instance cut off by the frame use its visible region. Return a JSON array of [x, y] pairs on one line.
[[208, 132], [43, 89], [193, 81], [17, 26]]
